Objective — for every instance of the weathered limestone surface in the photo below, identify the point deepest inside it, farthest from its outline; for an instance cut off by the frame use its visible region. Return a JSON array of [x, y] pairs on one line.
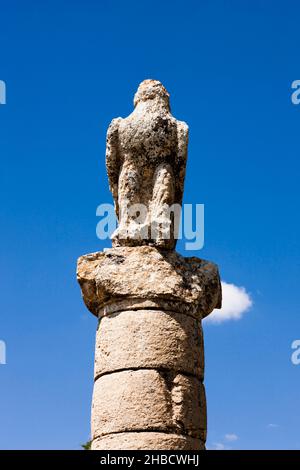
[[149, 400], [146, 276], [147, 441], [146, 159], [149, 359], [154, 339]]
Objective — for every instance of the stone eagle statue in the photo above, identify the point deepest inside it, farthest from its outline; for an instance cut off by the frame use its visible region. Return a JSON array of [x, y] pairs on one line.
[[146, 157]]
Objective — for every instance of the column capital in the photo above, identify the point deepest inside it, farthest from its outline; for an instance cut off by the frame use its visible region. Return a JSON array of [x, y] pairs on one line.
[[132, 278]]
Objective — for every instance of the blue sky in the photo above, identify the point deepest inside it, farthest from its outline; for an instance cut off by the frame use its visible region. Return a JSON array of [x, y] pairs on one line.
[[70, 67]]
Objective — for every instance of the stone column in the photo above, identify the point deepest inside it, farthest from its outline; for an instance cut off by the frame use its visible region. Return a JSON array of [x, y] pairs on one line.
[[149, 360]]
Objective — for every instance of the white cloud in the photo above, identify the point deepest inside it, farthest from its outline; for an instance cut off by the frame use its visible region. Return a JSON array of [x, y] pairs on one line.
[[218, 446], [236, 301], [231, 437], [221, 445], [273, 426]]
